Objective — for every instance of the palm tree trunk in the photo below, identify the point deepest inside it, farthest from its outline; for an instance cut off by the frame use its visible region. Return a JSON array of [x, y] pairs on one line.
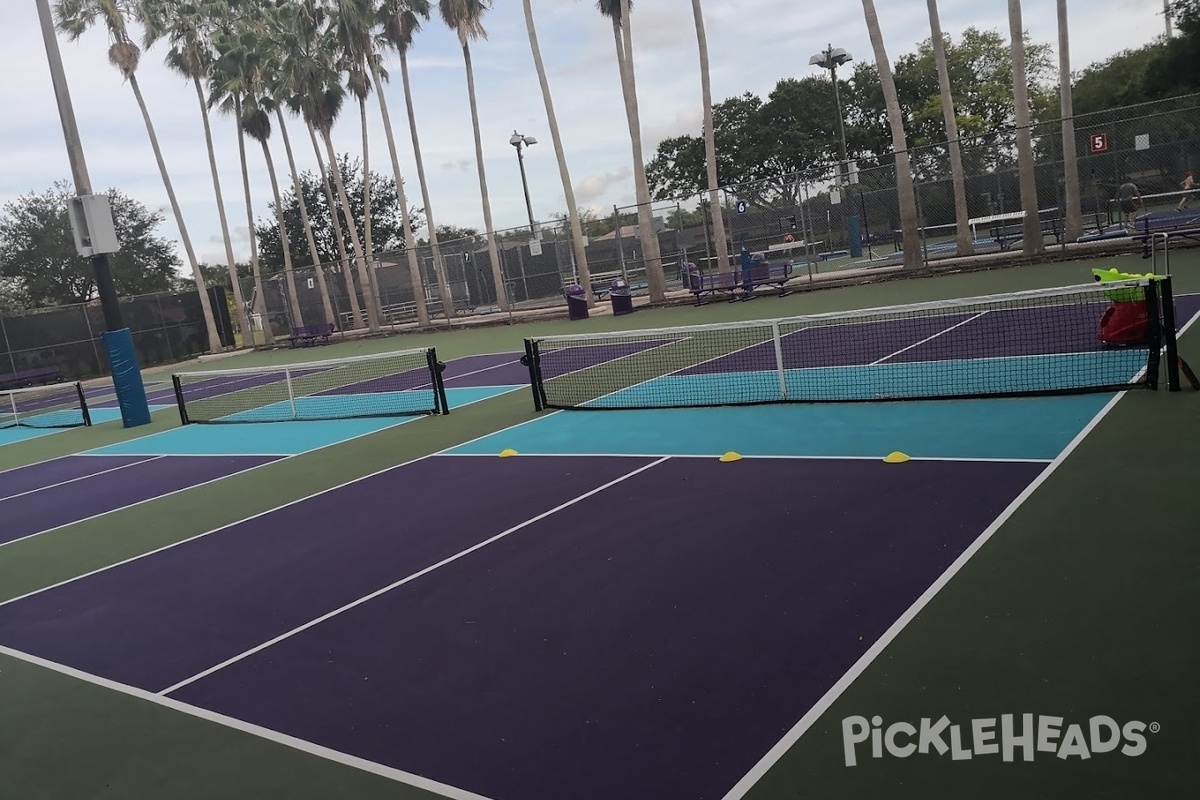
[[585, 273], [493, 252], [340, 184], [284, 241], [410, 242], [904, 182], [214, 340], [260, 305], [966, 243], [298, 188], [438, 266], [1032, 233], [710, 148], [235, 283], [366, 268], [655, 279], [1073, 225], [344, 266]]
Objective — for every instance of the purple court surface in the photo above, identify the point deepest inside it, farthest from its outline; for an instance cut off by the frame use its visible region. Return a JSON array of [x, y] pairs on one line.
[[40, 497], [651, 639]]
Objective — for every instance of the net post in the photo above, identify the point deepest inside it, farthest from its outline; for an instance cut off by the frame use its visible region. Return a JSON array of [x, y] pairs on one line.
[[1166, 298], [83, 406], [1153, 335], [287, 380], [441, 404], [779, 359], [535, 376], [183, 416]]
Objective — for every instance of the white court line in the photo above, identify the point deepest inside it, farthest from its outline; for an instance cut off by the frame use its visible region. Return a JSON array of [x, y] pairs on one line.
[[441, 789], [408, 579], [144, 460], [754, 456], [926, 339]]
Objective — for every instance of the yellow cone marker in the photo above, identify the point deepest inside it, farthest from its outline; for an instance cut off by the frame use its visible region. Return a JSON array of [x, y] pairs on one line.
[[508, 453], [730, 457], [895, 458]]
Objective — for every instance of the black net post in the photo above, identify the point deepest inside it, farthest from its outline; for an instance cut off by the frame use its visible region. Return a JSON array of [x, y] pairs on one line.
[[535, 379], [435, 370], [83, 406], [1167, 299], [1154, 335], [183, 417]]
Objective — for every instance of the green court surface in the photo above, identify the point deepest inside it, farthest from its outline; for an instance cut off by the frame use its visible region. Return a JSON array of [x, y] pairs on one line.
[[1081, 603]]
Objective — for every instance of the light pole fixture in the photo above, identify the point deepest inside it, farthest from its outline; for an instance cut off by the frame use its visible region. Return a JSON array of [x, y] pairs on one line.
[[831, 58], [520, 142]]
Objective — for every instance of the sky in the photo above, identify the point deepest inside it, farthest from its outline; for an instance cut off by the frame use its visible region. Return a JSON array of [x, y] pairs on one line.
[[752, 45]]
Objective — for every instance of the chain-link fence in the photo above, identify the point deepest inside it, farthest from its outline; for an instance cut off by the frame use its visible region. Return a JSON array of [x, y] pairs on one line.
[[166, 327], [814, 220]]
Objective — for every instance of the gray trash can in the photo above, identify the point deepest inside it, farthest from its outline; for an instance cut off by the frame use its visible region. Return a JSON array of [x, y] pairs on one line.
[[621, 296], [577, 307]]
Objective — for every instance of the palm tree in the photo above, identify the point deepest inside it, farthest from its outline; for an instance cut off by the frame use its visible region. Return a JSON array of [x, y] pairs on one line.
[[338, 235], [1032, 233], [465, 18], [710, 149], [585, 273], [232, 71], [191, 55], [398, 32], [618, 12], [904, 182], [74, 18], [1073, 226], [966, 244], [256, 122]]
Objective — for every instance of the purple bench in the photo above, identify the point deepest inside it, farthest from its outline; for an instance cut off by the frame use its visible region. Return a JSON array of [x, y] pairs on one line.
[[30, 377], [754, 273], [307, 335]]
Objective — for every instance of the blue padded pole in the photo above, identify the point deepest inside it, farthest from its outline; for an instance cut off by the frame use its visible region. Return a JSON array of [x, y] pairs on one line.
[[127, 377]]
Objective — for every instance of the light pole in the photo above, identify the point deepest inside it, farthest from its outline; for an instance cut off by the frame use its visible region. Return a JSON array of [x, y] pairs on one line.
[[520, 142], [830, 59]]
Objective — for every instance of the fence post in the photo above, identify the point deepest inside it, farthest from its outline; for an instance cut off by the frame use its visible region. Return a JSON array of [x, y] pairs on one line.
[[620, 244]]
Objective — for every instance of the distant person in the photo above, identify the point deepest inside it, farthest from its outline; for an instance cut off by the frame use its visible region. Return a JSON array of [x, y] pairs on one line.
[[1188, 184], [1129, 198]]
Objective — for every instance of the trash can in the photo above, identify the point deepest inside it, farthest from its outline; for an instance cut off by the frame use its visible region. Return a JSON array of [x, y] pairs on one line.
[[577, 307], [622, 298]]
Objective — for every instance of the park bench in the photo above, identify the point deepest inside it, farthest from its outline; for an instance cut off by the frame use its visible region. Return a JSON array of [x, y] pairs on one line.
[[307, 335], [755, 272], [39, 376]]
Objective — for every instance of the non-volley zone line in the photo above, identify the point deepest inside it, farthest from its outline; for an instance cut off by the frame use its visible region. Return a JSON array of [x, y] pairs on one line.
[[571, 616]]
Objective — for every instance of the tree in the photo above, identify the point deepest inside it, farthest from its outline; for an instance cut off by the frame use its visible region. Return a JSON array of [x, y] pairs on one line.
[[465, 18], [581, 262], [710, 149], [74, 18], [1032, 226], [904, 181], [398, 33], [387, 221], [618, 12], [41, 267], [965, 241], [187, 28]]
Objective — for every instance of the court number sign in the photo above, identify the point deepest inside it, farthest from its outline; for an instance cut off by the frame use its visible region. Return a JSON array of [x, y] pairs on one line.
[[742, 206], [1099, 142]]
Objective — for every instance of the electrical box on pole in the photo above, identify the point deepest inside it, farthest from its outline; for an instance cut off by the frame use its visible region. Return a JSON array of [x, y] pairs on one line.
[[92, 224]]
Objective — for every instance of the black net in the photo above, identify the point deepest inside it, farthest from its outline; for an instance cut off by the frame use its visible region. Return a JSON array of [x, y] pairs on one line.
[[61, 405], [390, 384], [1094, 337]]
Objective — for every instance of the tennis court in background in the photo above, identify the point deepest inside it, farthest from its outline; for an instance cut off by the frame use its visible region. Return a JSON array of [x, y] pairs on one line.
[[613, 607]]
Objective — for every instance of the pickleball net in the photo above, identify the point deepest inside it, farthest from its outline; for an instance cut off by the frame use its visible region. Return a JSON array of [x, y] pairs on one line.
[[1040, 342], [59, 405], [401, 383]]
